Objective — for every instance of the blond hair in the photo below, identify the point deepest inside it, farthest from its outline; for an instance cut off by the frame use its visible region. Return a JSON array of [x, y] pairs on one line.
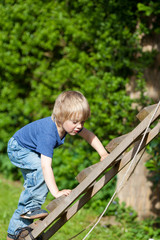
[[70, 105]]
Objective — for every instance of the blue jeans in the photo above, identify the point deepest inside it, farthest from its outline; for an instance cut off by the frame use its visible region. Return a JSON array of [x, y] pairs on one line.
[[36, 189]]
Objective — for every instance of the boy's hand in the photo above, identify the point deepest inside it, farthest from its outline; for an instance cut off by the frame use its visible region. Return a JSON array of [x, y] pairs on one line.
[[104, 156], [64, 192], [93, 140]]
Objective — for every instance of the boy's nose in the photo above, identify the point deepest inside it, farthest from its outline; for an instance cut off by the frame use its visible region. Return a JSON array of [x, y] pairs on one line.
[[80, 125]]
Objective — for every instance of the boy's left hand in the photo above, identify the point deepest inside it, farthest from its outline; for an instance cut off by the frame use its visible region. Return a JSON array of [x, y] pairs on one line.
[[103, 157]]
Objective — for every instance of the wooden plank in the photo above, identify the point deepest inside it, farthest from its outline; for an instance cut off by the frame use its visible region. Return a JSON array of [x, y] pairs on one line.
[[145, 111], [115, 142], [85, 172], [101, 183], [35, 224], [94, 174], [54, 203]]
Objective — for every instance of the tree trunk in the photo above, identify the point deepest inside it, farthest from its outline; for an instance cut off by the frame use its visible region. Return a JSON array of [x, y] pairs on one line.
[[139, 191]]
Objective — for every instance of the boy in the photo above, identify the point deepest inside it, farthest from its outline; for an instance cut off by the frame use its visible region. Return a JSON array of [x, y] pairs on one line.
[[31, 149]]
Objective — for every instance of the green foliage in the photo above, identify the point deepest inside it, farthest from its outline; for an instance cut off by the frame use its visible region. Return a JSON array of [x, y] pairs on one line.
[[131, 227], [8, 169], [149, 9]]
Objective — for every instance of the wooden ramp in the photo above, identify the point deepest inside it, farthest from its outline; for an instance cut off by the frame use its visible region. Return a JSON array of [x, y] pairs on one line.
[[63, 208]]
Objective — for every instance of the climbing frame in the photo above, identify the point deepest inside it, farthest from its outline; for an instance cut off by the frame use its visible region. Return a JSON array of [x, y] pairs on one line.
[[63, 208]]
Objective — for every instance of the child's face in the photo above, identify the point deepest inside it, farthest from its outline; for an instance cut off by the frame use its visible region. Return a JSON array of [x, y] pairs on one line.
[[73, 127]]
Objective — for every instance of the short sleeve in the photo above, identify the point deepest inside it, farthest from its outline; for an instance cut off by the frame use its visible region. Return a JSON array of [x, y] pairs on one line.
[[80, 130]]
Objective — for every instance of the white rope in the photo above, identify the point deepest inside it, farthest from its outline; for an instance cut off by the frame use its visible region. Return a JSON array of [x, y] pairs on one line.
[[121, 183]]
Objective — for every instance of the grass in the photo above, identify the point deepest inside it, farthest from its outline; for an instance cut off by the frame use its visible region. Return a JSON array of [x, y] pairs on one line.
[[125, 227], [8, 201]]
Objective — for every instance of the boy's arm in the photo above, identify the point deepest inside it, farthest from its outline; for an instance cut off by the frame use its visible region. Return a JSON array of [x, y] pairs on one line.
[[46, 163], [93, 140]]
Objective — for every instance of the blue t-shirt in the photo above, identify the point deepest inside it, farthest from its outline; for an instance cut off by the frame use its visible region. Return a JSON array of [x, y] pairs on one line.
[[40, 136]]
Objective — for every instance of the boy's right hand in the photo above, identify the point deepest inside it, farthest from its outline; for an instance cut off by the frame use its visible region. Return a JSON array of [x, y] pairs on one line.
[[64, 192]]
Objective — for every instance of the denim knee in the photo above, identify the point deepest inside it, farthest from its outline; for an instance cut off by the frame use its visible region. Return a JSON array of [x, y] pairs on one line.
[[35, 191]]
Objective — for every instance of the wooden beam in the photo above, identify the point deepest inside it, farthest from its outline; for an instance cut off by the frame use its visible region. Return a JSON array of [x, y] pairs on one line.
[[94, 175], [85, 172], [115, 142], [101, 183], [54, 203], [145, 111]]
